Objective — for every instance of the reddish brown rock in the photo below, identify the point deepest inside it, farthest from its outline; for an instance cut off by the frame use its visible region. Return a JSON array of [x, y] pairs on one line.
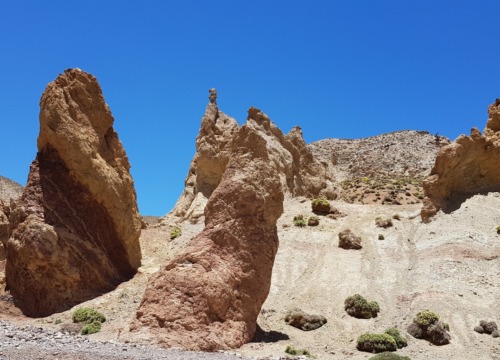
[[78, 235], [208, 298], [466, 167]]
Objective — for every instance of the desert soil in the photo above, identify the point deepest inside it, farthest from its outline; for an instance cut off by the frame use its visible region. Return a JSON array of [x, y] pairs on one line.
[[450, 266]]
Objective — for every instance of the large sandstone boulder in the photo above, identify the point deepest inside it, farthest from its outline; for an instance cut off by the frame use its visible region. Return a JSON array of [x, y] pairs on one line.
[[466, 167], [208, 297], [79, 233], [301, 174]]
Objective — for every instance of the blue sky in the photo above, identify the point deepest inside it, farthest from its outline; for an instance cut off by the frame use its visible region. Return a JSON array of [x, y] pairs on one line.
[[343, 69]]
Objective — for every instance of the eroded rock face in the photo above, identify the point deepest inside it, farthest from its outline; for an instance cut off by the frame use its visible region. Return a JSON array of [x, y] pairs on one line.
[[301, 174], [466, 167], [78, 235], [208, 298], [213, 149]]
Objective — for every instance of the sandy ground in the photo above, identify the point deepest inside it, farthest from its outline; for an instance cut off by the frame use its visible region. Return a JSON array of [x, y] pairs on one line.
[[450, 266]]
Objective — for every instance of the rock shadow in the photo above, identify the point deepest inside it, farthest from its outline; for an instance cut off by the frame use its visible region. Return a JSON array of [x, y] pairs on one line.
[[272, 336]]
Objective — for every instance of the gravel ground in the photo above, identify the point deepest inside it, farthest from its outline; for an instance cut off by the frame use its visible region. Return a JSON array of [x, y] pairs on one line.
[[30, 342]]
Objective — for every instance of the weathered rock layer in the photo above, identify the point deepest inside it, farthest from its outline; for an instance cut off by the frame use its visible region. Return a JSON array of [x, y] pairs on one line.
[[209, 297], [79, 231], [466, 167]]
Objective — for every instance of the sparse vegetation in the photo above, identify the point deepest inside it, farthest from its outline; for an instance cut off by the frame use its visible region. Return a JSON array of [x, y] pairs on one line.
[[58, 321], [401, 342], [426, 325], [389, 356], [381, 237], [175, 232], [92, 319], [91, 328], [299, 221], [498, 229], [320, 206], [396, 217], [88, 315], [292, 351], [358, 307], [376, 343]]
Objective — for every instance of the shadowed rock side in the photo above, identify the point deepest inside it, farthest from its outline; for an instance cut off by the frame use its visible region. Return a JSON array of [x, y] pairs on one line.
[[301, 174], [468, 166], [208, 298], [78, 235]]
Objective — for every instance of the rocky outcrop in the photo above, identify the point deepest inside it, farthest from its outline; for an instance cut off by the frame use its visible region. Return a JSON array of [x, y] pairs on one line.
[[4, 229], [304, 321], [213, 149], [301, 174], [208, 297], [466, 167], [79, 232]]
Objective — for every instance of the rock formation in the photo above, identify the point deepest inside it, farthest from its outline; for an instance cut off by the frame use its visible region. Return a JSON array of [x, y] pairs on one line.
[[208, 297], [301, 174], [213, 149], [4, 229], [79, 234], [466, 167]]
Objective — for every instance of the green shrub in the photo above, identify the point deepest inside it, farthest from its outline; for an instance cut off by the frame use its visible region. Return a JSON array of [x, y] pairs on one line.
[[396, 217], [175, 233], [401, 342], [88, 315], [299, 221], [376, 343], [320, 205], [425, 318], [360, 308], [498, 229], [292, 351], [389, 356], [58, 321], [91, 328], [381, 237]]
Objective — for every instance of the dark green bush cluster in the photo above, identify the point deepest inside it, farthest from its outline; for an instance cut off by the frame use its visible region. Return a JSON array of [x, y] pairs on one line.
[[358, 307], [426, 325], [389, 356], [390, 340], [376, 343], [292, 351], [91, 318], [320, 205], [401, 342]]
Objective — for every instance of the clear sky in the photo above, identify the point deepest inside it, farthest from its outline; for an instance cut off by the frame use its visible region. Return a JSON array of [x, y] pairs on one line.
[[343, 69]]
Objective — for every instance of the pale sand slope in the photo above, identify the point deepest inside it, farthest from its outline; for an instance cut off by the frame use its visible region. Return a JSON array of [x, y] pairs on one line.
[[450, 266]]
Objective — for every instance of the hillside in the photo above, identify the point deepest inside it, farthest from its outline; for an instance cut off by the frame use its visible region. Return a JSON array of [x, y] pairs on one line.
[[9, 189]]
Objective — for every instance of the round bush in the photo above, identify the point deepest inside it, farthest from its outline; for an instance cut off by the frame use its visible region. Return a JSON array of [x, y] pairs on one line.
[[401, 342], [358, 307], [91, 328], [376, 343], [425, 318], [88, 315]]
